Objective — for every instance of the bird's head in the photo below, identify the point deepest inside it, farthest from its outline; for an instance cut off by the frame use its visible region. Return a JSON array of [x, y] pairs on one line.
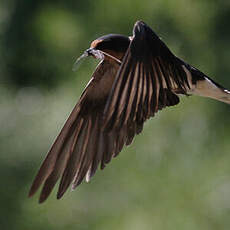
[[111, 47], [112, 44]]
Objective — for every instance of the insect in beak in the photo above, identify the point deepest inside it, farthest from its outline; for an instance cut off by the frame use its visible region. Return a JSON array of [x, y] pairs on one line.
[[89, 52]]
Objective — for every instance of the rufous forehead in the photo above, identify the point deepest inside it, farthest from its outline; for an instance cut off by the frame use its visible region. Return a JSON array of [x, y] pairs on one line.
[[95, 43]]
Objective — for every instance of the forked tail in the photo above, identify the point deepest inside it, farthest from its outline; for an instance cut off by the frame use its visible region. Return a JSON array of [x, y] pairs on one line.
[[209, 88], [204, 86]]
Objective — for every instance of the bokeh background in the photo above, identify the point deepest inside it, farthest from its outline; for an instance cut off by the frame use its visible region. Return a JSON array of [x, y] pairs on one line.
[[175, 175]]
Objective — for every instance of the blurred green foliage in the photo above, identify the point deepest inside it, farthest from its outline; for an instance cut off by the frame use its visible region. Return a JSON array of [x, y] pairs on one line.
[[175, 175]]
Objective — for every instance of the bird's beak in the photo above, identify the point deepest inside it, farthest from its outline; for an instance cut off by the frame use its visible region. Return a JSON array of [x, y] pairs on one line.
[[89, 51]]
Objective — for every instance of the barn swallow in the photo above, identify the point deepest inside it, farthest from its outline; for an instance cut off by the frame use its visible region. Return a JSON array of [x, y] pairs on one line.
[[136, 77]]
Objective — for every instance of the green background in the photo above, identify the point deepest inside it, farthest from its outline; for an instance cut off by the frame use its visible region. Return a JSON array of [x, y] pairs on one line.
[[175, 175]]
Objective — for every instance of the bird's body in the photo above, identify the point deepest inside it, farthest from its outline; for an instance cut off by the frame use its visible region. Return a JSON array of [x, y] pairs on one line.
[[136, 77]]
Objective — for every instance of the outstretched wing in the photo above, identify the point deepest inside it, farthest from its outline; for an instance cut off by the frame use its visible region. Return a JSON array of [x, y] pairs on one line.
[[81, 144], [112, 110], [146, 82]]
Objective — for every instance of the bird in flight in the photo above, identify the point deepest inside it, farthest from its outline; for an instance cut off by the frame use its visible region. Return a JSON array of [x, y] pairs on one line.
[[136, 77]]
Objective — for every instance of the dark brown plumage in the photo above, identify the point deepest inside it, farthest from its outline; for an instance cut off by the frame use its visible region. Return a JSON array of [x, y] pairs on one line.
[[136, 77]]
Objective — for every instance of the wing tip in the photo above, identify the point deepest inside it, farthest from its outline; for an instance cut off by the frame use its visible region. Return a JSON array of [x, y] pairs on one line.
[[42, 198], [61, 191], [34, 187], [31, 193], [60, 195]]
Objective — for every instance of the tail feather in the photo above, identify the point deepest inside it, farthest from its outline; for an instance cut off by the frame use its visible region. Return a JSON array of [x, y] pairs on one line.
[[201, 85], [211, 89]]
